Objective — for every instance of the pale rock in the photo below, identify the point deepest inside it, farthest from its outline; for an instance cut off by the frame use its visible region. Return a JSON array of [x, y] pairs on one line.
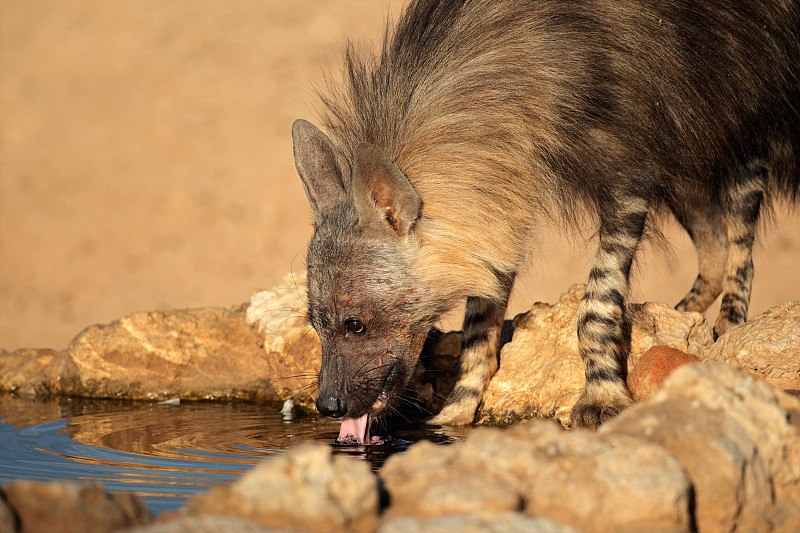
[[193, 354], [541, 373], [767, 346], [68, 506], [205, 353], [574, 478], [7, 518], [734, 436], [37, 372], [307, 489], [278, 314], [475, 522], [206, 524]]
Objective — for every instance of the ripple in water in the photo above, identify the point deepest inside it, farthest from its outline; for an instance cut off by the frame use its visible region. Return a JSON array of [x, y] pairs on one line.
[[164, 453]]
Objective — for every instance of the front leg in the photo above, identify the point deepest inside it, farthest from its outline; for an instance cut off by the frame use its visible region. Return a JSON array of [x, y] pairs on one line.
[[483, 323], [601, 316]]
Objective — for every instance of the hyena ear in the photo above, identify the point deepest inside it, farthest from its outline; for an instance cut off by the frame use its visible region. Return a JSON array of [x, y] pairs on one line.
[[381, 191], [324, 171]]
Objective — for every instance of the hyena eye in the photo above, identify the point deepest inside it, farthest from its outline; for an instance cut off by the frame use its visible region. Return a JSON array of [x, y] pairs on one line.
[[354, 326]]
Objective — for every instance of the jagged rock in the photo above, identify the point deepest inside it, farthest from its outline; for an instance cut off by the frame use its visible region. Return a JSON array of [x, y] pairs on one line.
[[67, 506], [541, 373], [308, 489], [207, 353], [35, 372], [268, 351], [714, 450], [735, 438], [475, 522], [206, 524], [652, 369], [278, 316], [192, 354], [575, 478], [768, 346], [8, 521]]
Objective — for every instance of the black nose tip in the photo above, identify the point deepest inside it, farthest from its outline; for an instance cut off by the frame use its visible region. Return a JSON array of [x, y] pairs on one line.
[[331, 406]]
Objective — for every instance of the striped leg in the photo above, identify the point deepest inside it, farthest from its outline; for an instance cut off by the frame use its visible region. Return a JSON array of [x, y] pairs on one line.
[[483, 322], [744, 204], [707, 232], [601, 315]]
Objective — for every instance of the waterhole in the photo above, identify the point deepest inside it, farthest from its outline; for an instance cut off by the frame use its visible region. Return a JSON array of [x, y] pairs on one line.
[[165, 453]]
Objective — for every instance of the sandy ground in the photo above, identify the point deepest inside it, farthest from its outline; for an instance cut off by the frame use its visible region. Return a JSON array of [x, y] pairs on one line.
[[145, 163]]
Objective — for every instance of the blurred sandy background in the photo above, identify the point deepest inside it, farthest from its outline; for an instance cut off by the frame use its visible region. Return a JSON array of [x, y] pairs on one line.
[[146, 164]]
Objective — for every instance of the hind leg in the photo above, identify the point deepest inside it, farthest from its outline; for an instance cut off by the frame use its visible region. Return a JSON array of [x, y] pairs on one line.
[[483, 322], [601, 315], [744, 204], [707, 230]]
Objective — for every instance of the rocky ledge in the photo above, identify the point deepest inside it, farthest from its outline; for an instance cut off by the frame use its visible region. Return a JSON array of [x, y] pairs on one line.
[[266, 351], [712, 446]]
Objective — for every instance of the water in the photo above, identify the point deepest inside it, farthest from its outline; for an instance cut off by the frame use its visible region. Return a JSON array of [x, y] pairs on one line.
[[163, 453]]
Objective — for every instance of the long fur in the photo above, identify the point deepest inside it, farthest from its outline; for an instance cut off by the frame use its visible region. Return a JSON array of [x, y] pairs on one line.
[[507, 115], [521, 108]]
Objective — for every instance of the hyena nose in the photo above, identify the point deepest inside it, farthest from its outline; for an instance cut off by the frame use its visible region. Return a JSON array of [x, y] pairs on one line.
[[331, 406]]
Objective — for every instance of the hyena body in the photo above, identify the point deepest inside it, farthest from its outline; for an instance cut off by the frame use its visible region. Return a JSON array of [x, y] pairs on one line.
[[480, 121]]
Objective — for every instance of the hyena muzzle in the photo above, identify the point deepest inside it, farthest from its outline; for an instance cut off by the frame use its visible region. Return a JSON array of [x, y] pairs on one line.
[[479, 121]]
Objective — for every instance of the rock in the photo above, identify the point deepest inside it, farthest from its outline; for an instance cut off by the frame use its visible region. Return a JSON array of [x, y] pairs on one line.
[[713, 450], [189, 354], [541, 373], [476, 522], [207, 353], [735, 437], [575, 478], [767, 346], [71, 506], [307, 489], [192, 354], [33, 372], [653, 368], [267, 351], [279, 315], [8, 522], [205, 524]]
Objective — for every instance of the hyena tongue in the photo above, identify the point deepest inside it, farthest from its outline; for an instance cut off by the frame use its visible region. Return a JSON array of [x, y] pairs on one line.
[[356, 431]]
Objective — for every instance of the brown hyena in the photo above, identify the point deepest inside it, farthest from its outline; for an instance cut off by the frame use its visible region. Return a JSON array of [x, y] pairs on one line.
[[479, 121]]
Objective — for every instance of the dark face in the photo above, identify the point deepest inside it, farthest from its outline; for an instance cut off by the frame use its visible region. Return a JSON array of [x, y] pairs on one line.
[[361, 295], [362, 306]]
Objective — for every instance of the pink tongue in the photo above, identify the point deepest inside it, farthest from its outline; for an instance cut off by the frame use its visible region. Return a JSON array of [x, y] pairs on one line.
[[356, 431]]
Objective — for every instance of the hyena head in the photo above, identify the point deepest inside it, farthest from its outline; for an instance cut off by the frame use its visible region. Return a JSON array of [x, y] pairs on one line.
[[361, 294]]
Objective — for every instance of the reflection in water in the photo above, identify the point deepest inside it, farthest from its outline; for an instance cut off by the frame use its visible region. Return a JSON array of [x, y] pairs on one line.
[[164, 453]]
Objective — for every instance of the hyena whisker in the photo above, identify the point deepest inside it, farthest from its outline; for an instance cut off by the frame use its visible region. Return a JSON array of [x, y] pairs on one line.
[[300, 293], [311, 385], [398, 413], [289, 312], [303, 391], [299, 375], [413, 402]]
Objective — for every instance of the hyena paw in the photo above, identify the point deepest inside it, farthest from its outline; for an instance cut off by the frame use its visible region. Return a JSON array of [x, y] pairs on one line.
[[455, 414], [723, 324], [592, 410]]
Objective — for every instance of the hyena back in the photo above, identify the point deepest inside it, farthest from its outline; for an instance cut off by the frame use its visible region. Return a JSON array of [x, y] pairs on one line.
[[480, 121]]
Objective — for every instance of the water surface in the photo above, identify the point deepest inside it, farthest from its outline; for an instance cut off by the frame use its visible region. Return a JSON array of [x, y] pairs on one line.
[[164, 453]]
